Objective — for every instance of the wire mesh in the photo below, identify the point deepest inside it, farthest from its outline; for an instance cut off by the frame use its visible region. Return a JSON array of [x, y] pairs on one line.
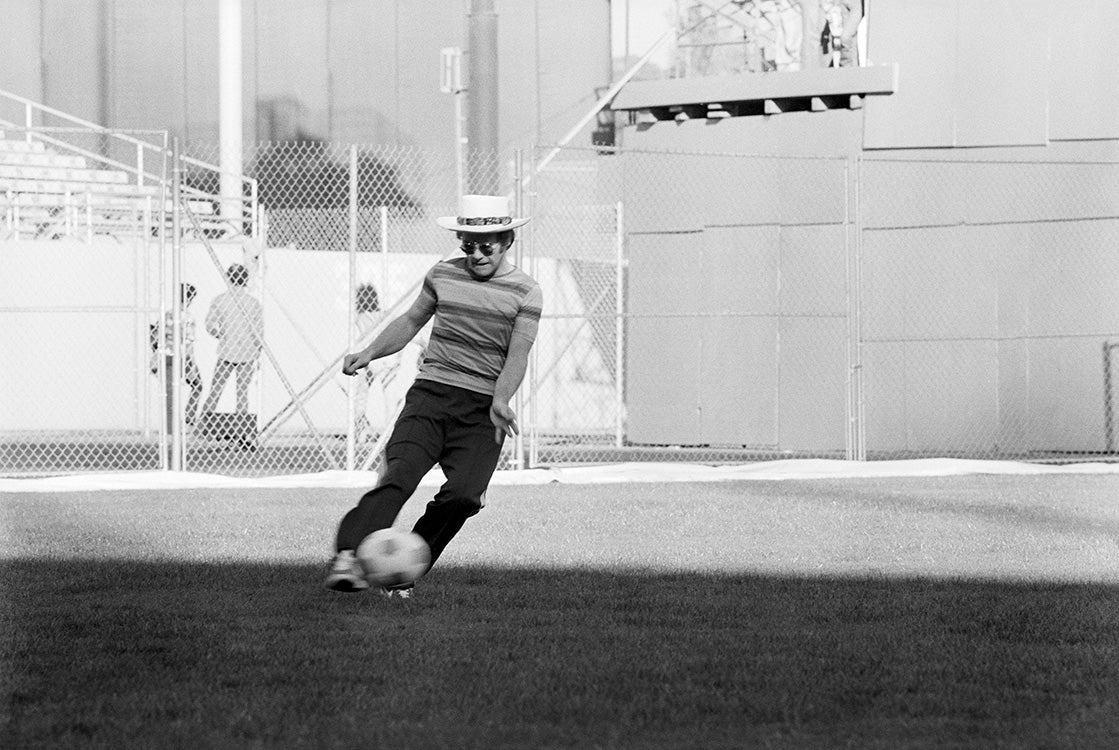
[[987, 322], [689, 296], [701, 307], [349, 234]]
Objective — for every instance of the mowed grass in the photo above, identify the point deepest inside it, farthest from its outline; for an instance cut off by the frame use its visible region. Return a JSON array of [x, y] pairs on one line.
[[958, 612]]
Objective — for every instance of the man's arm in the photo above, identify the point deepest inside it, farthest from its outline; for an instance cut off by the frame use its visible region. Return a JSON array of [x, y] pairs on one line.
[[214, 322], [516, 364], [392, 338]]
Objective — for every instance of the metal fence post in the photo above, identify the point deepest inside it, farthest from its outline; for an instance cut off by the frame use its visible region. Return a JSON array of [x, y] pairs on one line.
[[383, 212], [619, 327], [855, 227], [519, 399], [1108, 406], [532, 418], [175, 377], [855, 446], [351, 315]]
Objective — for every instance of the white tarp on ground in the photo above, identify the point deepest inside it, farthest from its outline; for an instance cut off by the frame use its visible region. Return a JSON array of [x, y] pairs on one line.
[[616, 473]]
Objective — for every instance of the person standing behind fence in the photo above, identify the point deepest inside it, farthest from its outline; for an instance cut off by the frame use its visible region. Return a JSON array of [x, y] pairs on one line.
[[236, 319], [162, 345], [772, 32]]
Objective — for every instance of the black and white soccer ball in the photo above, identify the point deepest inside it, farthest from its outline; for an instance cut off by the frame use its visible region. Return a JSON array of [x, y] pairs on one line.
[[393, 557]]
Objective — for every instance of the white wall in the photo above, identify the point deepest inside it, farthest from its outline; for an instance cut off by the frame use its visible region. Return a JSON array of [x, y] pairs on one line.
[[74, 331]]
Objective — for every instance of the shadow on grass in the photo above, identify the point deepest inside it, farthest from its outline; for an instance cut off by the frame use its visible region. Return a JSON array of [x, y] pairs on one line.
[[127, 654]]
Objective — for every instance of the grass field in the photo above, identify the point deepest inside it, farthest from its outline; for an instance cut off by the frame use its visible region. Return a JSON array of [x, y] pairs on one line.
[[963, 612]]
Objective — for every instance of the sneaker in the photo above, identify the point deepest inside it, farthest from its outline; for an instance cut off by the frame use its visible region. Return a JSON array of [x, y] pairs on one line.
[[399, 592], [345, 573]]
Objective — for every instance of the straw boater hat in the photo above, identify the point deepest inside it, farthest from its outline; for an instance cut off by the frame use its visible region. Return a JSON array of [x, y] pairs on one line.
[[480, 214]]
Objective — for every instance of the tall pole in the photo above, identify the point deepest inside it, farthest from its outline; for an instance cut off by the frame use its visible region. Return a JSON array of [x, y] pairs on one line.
[[482, 119], [104, 44], [450, 82], [351, 319], [625, 57], [175, 376], [619, 324], [229, 109], [519, 399], [1108, 408]]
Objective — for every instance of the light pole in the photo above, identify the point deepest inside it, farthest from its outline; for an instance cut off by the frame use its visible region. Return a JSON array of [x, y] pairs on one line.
[[482, 114], [229, 110], [450, 82]]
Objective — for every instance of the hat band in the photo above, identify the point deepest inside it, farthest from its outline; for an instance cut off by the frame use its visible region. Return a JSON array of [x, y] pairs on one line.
[[481, 221]]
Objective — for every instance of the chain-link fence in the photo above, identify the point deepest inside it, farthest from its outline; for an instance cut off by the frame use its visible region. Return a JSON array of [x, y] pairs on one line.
[[986, 307], [714, 309], [701, 307], [349, 234]]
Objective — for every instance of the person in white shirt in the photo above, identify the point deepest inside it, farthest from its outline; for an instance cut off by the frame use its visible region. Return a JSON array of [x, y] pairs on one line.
[[236, 319]]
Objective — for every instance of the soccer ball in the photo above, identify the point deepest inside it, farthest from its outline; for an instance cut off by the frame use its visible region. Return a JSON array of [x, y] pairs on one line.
[[393, 557]]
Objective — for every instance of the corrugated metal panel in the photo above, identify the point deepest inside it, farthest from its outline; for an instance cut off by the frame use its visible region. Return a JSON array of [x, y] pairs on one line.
[[921, 37], [812, 373], [1084, 71], [1001, 91], [738, 378], [663, 353]]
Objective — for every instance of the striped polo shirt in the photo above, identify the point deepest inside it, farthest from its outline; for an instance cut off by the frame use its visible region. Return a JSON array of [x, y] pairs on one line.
[[474, 321]]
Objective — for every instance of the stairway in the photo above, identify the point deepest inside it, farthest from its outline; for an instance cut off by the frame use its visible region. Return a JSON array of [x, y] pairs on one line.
[[45, 194]]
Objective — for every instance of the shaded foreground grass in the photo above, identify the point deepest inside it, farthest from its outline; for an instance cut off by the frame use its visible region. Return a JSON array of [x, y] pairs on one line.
[[108, 653]]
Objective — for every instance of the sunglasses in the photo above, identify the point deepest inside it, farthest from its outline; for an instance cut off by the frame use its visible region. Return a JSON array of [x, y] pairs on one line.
[[486, 248]]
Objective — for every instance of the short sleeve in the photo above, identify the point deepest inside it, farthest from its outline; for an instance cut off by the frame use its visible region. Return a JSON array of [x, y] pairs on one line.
[[428, 297], [527, 323]]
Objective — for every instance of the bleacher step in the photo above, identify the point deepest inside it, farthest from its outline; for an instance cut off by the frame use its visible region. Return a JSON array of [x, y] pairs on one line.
[[11, 146], [45, 194], [61, 187], [109, 176], [82, 200], [42, 159]]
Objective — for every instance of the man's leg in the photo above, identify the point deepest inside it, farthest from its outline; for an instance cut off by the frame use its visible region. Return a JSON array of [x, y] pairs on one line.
[[469, 459], [221, 374], [413, 448], [244, 379], [194, 380], [379, 507]]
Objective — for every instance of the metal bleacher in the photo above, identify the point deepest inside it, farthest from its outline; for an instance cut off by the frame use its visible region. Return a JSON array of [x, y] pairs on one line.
[[49, 195], [65, 178]]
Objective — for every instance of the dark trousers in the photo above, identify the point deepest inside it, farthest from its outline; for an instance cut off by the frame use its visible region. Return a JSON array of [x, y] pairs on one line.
[[193, 378], [439, 424]]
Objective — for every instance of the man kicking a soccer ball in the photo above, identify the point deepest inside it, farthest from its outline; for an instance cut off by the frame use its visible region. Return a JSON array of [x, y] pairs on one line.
[[457, 414]]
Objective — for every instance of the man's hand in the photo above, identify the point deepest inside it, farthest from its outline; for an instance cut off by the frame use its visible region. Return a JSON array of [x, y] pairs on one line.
[[351, 363], [504, 420]]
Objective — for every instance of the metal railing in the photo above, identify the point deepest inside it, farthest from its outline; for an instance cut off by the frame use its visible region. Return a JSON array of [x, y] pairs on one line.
[[141, 202]]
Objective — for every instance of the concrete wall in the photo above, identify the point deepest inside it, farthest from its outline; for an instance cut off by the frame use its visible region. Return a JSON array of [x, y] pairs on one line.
[[74, 326], [74, 335]]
